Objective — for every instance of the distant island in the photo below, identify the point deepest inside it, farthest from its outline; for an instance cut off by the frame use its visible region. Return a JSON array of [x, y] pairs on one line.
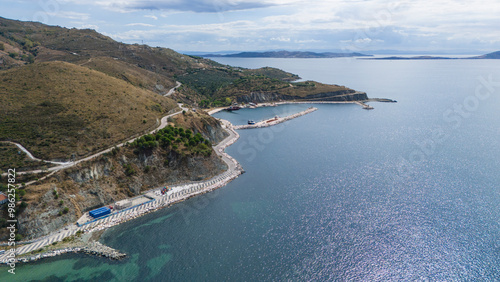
[[494, 55], [287, 54]]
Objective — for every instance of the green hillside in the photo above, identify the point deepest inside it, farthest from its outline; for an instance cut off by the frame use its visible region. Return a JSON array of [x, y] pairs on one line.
[[205, 82], [70, 92]]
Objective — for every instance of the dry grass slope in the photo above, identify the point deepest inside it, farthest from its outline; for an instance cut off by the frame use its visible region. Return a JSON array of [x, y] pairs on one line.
[[58, 109], [131, 73]]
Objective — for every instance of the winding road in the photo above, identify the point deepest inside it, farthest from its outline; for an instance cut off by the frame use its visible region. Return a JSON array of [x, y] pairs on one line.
[[178, 193], [171, 91], [62, 165]]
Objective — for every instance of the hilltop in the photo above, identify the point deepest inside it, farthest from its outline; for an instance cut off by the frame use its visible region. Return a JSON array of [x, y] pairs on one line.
[[494, 55]]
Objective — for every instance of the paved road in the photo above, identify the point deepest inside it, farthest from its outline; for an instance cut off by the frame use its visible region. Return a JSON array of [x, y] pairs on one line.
[[171, 91], [178, 192], [62, 165]]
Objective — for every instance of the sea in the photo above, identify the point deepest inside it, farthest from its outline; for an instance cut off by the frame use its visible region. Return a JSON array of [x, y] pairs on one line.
[[406, 191]]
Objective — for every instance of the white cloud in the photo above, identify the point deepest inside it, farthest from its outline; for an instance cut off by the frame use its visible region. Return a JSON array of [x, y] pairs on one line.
[[139, 24], [69, 15], [89, 26], [281, 39], [200, 6], [315, 24]]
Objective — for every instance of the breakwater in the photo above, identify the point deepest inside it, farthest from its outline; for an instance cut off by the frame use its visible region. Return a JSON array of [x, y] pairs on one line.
[[276, 120], [91, 248], [98, 249]]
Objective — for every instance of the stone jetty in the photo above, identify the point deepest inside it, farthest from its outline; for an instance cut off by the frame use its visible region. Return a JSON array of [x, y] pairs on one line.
[[98, 249], [274, 121]]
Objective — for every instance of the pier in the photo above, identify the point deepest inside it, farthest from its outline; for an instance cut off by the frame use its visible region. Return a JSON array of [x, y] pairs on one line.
[[275, 120]]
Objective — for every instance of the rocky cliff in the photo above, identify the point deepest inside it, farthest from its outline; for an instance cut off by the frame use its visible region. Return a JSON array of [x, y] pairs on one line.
[[263, 97], [64, 197]]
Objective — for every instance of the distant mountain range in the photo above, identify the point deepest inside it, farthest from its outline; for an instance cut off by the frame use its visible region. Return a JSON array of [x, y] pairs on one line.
[[287, 54], [494, 55]]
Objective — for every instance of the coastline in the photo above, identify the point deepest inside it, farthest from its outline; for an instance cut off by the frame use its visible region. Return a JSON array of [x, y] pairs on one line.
[[178, 194], [362, 103]]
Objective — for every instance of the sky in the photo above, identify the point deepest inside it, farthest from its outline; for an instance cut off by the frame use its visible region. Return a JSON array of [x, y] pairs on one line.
[[440, 26]]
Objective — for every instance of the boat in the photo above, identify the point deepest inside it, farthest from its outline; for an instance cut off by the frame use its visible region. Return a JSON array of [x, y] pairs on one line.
[[251, 122], [233, 108]]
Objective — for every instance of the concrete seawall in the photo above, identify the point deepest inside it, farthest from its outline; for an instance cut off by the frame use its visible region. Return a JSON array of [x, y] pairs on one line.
[[177, 194], [274, 121]]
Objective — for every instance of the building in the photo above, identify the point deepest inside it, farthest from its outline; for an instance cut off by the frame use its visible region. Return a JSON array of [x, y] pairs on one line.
[[100, 212], [123, 204], [3, 198]]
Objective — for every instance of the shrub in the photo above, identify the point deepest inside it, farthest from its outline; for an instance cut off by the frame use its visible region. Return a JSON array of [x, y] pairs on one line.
[[128, 170]]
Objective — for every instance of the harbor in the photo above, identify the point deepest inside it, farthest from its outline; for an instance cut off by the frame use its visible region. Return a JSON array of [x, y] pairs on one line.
[[274, 121]]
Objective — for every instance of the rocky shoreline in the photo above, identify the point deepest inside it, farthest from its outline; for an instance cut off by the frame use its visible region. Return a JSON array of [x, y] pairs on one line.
[[93, 247], [92, 232]]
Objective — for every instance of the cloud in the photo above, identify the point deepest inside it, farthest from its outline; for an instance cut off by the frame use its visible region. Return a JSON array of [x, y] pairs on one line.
[[139, 24], [198, 6], [281, 39], [90, 26], [69, 15], [280, 24]]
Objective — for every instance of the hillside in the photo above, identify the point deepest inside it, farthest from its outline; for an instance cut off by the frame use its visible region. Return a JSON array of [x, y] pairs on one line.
[[122, 173], [69, 93], [493, 55], [205, 82], [60, 110]]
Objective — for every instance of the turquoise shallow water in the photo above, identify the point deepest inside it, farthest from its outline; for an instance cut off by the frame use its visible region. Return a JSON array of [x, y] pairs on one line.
[[408, 191]]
